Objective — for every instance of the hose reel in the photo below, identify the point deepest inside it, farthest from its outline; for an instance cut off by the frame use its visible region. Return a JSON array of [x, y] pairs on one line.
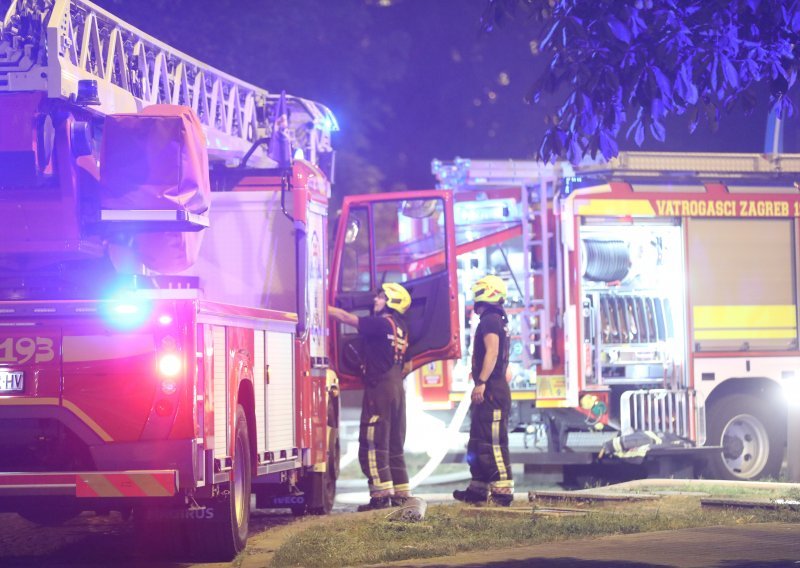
[[605, 261]]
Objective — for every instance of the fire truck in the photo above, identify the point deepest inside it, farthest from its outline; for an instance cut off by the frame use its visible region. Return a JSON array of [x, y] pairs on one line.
[[164, 278], [652, 299]]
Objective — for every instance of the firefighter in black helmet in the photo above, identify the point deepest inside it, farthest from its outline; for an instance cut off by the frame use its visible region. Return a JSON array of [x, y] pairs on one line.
[[487, 449], [382, 430]]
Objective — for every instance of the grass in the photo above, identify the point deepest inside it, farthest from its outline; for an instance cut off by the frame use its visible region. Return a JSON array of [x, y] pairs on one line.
[[447, 529]]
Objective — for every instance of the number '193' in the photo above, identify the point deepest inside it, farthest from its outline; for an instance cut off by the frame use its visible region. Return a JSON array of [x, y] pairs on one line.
[[22, 349]]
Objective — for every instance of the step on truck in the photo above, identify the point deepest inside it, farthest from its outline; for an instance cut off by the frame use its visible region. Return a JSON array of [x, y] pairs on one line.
[[164, 280]]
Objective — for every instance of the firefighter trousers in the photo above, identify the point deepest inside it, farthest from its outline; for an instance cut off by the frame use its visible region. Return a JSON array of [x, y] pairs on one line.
[[381, 438], [487, 449]]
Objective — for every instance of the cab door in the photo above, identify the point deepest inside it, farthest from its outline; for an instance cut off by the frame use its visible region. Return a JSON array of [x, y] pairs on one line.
[[406, 238]]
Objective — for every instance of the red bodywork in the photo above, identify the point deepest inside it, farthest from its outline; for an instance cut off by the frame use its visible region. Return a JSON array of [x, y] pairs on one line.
[[97, 417]]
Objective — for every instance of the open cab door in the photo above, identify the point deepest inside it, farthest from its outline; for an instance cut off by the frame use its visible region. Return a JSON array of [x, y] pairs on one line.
[[404, 237]]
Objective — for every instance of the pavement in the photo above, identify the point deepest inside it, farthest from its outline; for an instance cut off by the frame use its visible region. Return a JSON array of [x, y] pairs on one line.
[[762, 545]]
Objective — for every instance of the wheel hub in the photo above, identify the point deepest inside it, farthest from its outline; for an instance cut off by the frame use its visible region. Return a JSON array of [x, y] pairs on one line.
[[732, 447]]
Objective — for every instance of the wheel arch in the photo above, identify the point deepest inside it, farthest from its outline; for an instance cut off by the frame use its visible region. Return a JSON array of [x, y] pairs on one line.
[[768, 388]]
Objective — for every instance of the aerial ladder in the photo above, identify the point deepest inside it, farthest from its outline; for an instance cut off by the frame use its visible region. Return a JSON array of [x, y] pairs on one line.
[[56, 46], [169, 266]]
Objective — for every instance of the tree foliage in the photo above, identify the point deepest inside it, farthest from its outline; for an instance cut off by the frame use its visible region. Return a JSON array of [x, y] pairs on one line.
[[618, 66]]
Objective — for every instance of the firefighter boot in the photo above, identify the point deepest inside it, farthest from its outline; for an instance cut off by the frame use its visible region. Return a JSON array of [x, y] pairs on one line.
[[400, 498], [501, 499], [469, 496], [376, 503]]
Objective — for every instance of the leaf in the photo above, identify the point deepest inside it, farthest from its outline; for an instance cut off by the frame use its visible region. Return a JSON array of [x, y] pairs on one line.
[[553, 144], [545, 44], [731, 75], [687, 84], [663, 83], [791, 77], [574, 151], [657, 130], [608, 144], [714, 69], [620, 30]]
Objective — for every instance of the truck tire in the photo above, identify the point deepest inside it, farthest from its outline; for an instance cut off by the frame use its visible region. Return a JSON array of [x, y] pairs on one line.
[[217, 532], [320, 487], [751, 435]]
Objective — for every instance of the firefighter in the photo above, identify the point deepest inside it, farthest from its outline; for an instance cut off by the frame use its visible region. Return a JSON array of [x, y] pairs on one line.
[[382, 432], [487, 449]]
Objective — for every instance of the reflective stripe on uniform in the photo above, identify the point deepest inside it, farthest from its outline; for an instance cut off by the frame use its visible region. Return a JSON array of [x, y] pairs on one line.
[[398, 340], [498, 454], [375, 482], [373, 461]]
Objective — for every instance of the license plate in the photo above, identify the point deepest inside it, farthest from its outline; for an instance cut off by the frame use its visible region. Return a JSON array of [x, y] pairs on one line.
[[10, 381]]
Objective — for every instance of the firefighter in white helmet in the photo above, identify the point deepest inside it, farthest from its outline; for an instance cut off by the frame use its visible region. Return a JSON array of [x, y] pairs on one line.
[[487, 449], [382, 433]]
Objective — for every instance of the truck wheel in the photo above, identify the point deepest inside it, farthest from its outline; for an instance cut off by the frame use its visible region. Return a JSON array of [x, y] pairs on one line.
[[751, 436], [320, 487], [218, 530]]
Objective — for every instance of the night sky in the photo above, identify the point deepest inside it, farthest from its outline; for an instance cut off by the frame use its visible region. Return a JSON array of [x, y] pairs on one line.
[[409, 80]]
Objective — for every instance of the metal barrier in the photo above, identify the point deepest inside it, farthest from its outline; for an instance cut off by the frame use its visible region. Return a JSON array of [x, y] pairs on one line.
[[656, 410]]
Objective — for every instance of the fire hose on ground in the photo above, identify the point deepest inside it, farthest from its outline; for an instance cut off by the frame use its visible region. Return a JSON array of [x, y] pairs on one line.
[[437, 453]]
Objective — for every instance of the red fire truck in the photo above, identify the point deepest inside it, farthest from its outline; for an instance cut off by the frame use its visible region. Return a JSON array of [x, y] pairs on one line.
[[653, 293], [164, 349]]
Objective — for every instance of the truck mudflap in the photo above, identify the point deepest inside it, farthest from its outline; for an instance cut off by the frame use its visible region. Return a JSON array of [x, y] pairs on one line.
[[92, 484]]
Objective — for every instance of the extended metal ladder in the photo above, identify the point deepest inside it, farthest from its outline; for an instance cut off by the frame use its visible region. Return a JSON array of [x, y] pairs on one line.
[[537, 183], [535, 323], [50, 45]]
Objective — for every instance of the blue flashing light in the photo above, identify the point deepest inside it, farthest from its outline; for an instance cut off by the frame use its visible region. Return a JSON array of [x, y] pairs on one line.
[[127, 312], [126, 309], [327, 124]]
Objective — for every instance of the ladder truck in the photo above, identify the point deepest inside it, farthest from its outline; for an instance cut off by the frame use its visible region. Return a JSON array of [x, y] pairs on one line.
[[164, 344], [653, 305]]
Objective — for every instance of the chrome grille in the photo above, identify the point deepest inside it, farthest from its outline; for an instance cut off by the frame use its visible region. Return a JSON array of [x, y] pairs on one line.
[[656, 410]]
